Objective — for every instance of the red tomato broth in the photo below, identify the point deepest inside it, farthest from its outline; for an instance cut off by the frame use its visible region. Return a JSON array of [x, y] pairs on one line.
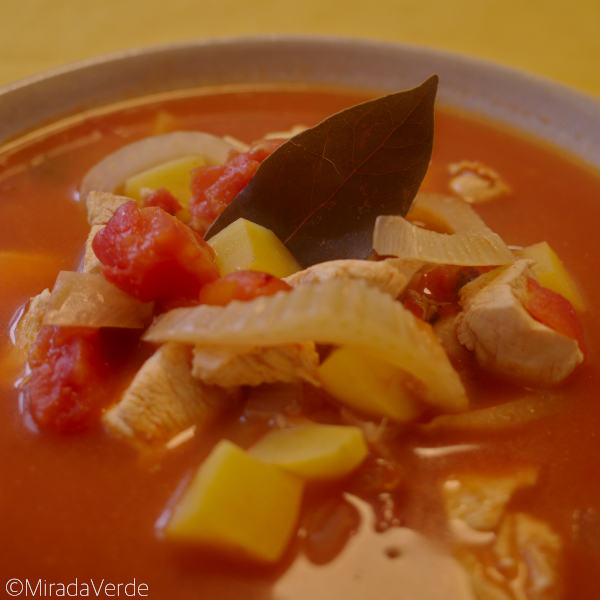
[[86, 505]]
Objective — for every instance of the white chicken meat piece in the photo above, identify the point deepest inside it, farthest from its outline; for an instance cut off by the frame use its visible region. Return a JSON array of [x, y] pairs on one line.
[[480, 500], [475, 182], [506, 339], [101, 206], [229, 366], [539, 549], [391, 275], [524, 562], [29, 326], [164, 399]]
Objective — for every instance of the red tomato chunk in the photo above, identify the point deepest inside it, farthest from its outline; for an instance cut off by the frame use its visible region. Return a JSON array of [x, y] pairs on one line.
[[66, 383], [241, 285], [214, 187], [153, 256], [163, 199], [554, 311], [443, 283]]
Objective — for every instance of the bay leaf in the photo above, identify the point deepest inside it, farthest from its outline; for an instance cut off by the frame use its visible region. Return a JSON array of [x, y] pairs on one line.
[[322, 190]]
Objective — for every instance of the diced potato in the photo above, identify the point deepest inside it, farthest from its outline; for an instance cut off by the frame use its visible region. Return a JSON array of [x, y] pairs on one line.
[[244, 245], [238, 505], [27, 270], [173, 175], [552, 273], [368, 384], [313, 451]]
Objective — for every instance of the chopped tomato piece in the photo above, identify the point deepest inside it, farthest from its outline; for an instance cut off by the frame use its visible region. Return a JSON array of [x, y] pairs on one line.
[[66, 386], [415, 306], [241, 285], [443, 283], [153, 256], [162, 198], [420, 306], [214, 187], [554, 311]]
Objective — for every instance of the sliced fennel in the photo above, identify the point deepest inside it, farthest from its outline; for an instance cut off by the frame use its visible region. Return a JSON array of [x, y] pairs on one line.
[[112, 171], [342, 312], [395, 236], [88, 300]]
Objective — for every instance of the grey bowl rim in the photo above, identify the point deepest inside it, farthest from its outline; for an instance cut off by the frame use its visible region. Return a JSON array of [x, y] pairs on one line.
[[552, 112]]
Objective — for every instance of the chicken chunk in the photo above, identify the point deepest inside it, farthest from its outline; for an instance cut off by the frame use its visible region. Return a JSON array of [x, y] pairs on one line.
[[391, 275], [444, 327], [475, 182], [229, 366], [29, 325], [509, 556], [524, 563], [164, 399], [505, 338], [101, 206], [539, 549], [480, 500]]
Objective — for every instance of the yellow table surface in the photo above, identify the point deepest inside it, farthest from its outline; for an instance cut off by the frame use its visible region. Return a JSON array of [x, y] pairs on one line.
[[554, 38]]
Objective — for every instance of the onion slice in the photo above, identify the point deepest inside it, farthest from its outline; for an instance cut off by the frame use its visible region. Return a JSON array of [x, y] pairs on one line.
[[113, 170], [501, 417], [342, 312], [395, 236], [456, 215], [88, 300]]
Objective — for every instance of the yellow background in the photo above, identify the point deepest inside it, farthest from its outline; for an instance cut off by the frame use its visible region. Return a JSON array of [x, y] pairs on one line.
[[559, 39]]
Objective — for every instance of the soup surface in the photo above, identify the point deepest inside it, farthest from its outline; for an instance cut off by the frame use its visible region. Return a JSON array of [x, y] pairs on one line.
[[85, 506]]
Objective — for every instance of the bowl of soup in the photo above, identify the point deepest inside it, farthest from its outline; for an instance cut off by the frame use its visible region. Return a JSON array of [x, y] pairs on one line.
[[198, 411]]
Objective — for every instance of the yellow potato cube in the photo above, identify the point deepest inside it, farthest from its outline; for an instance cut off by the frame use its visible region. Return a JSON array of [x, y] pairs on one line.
[[27, 271], [313, 451], [553, 274], [238, 505], [243, 245], [173, 175], [368, 384]]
